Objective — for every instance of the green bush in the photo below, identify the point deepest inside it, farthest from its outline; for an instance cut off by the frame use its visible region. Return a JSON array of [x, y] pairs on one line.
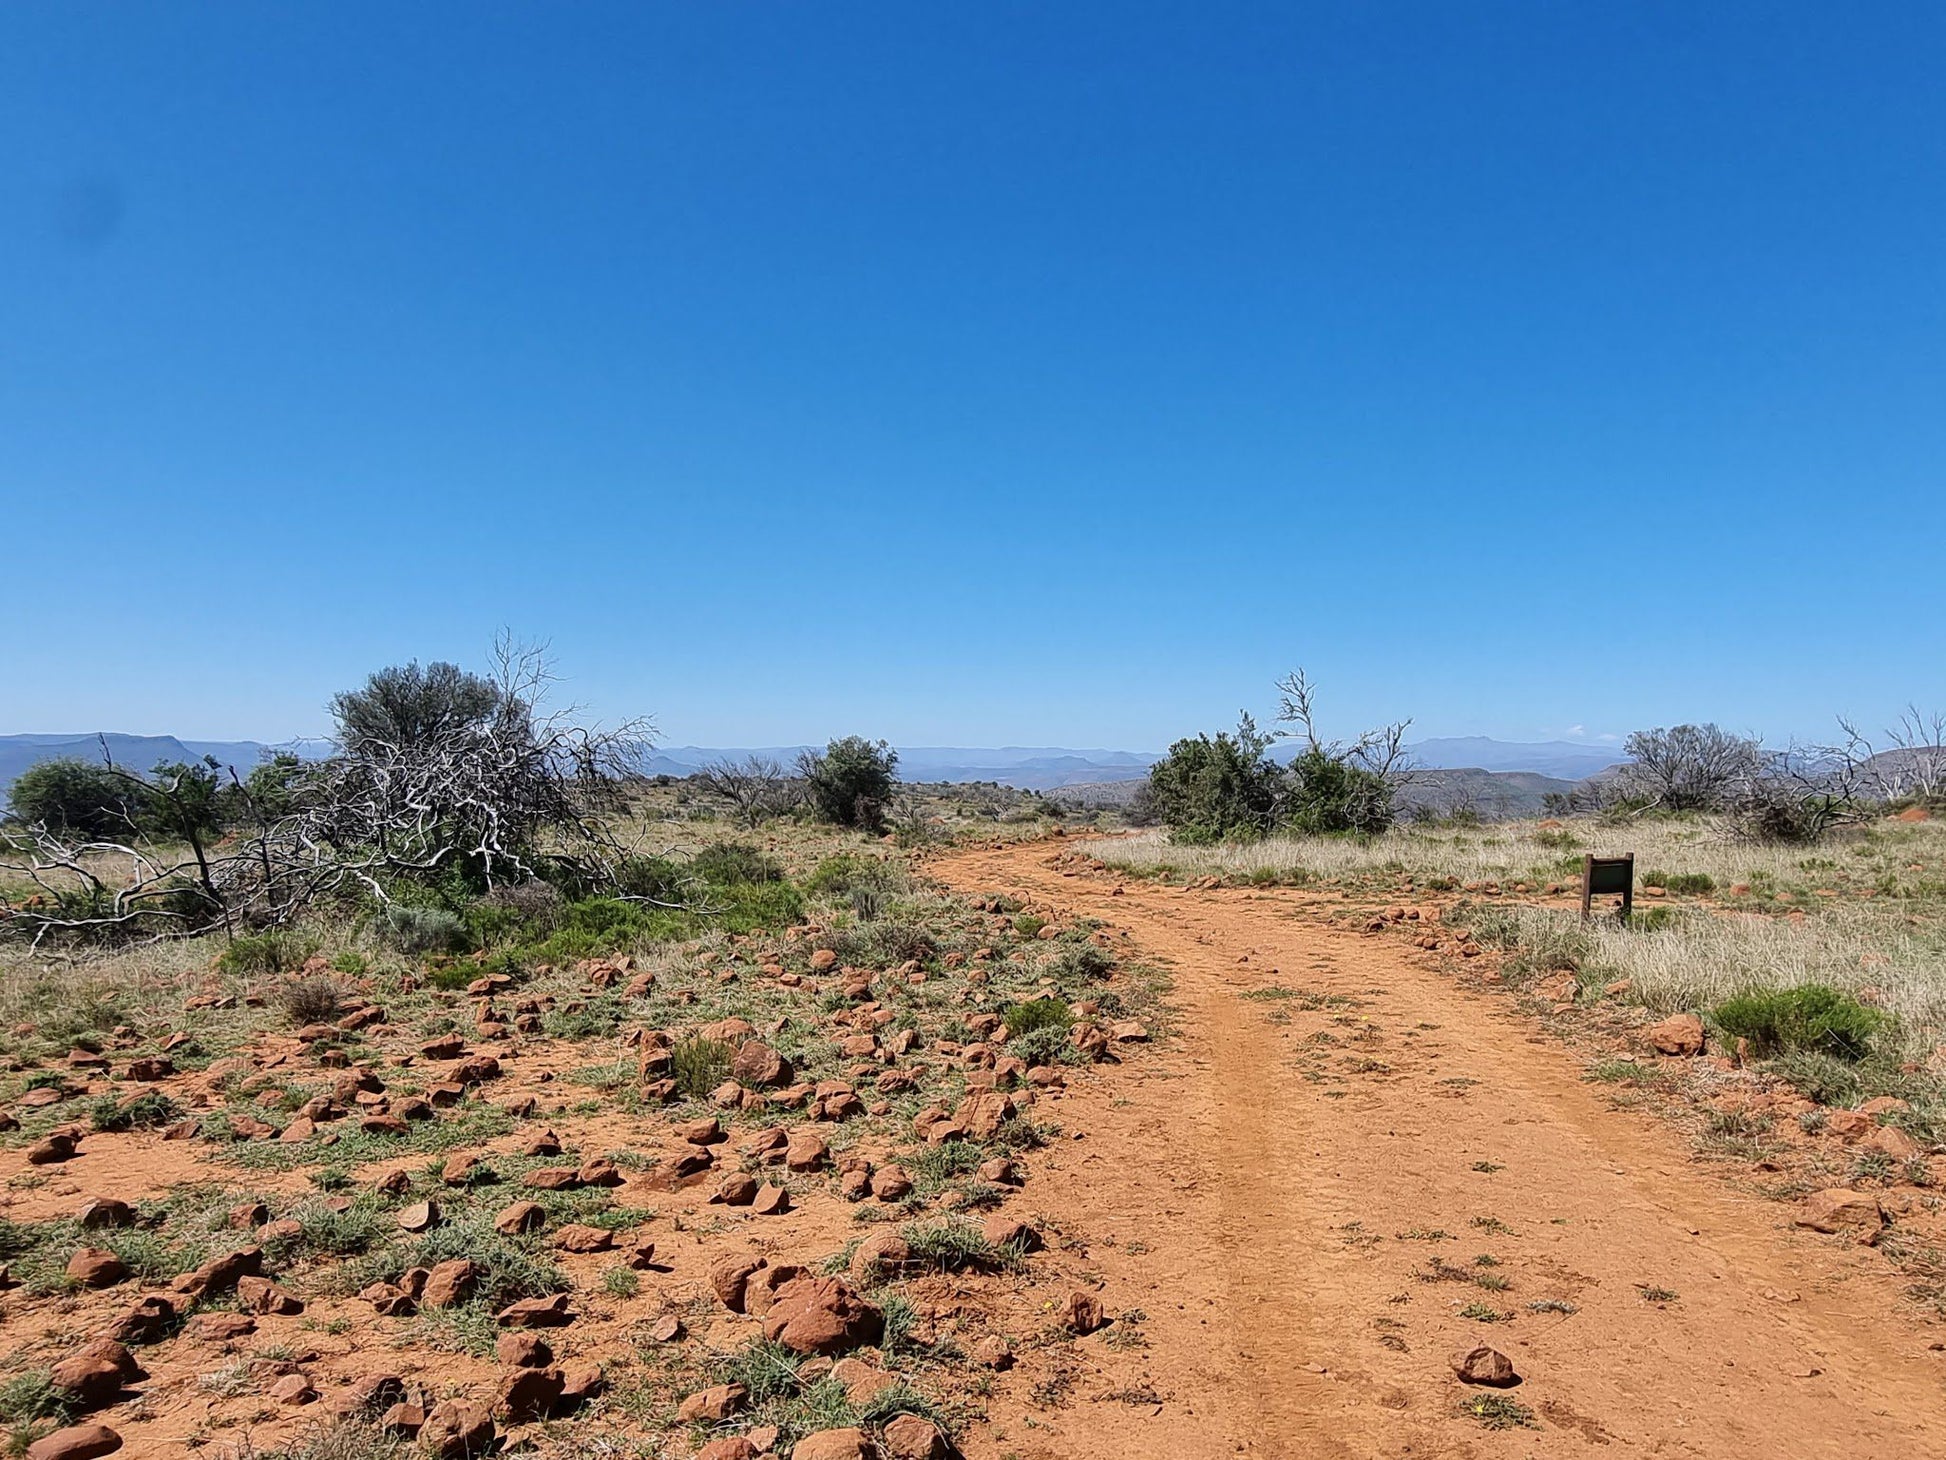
[[1810, 1016], [726, 864], [1032, 1014], [416, 930], [78, 798], [1328, 792], [1212, 789], [839, 875], [851, 781], [272, 952]]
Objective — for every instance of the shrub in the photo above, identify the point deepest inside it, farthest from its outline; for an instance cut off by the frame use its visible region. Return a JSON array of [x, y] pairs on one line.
[[1211, 789], [851, 781], [271, 952], [314, 1000], [1819, 1077], [1329, 792], [1811, 1016], [146, 1111], [415, 930], [1033, 1014], [698, 1066], [78, 797], [951, 1244], [840, 874], [725, 864]]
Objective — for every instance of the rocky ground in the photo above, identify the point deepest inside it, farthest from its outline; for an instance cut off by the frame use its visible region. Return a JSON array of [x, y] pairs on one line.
[[937, 1172], [773, 1193]]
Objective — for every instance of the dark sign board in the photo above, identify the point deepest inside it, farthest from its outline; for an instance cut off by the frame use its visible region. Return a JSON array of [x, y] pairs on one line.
[[1608, 877]]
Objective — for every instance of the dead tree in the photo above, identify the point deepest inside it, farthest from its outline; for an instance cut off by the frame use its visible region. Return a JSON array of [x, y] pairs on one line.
[[757, 787]]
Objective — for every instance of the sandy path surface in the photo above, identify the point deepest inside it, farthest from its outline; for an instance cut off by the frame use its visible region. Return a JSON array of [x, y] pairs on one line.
[[1271, 1188]]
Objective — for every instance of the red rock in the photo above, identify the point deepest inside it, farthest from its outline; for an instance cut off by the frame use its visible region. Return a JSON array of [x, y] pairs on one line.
[[730, 1276], [458, 1429], [732, 1447], [890, 1183], [705, 1132], [421, 1216], [714, 1404], [261, 1295], [531, 1393], [771, 1201], [220, 1273], [736, 1191], [52, 1149], [1857, 1214], [220, 1327], [1081, 1313], [522, 1216], [96, 1267], [909, 1437], [1679, 1034], [104, 1212], [823, 960], [759, 1066], [821, 1315], [581, 1383], [93, 1378], [148, 1320], [292, 1389], [1483, 1365], [993, 1352], [1010, 1235], [845, 1444], [576, 1238], [806, 1152], [451, 1283], [76, 1442], [523, 1350], [554, 1178], [549, 1312]]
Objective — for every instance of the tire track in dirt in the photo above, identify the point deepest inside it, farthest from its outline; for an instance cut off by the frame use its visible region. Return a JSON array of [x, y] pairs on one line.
[[1295, 1191]]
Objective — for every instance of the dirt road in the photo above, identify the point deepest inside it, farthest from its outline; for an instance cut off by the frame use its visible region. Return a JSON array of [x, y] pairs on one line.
[[1343, 1167]]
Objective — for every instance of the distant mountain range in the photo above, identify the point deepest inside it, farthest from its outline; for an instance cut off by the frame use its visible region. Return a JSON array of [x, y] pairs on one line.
[[131, 752], [1027, 767]]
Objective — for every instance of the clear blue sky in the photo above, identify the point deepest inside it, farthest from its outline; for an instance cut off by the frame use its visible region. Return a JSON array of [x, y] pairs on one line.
[[997, 373]]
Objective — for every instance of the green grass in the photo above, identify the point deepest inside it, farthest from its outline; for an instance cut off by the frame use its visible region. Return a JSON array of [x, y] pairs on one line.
[[1810, 1017]]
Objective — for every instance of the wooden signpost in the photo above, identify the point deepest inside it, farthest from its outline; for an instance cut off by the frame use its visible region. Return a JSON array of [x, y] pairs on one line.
[[1606, 877]]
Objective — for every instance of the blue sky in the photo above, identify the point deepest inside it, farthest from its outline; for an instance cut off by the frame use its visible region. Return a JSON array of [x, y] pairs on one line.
[[1000, 373]]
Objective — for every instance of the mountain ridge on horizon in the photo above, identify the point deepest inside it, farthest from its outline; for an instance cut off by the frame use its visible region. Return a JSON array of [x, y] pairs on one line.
[[1026, 767]]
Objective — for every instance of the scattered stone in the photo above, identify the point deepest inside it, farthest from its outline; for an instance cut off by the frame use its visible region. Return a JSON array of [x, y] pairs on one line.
[[421, 1216], [104, 1212], [1857, 1214], [76, 1442], [736, 1191], [771, 1201], [96, 1267], [522, 1216], [911, 1438], [1679, 1034], [845, 1444], [261, 1295], [712, 1405], [292, 1389], [531, 1393], [577, 1238], [1081, 1313], [220, 1327], [890, 1183], [458, 1429], [1483, 1365], [451, 1283], [549, 1312], [821, 1315], [881, 1255], [220, 1273], [523, 1350]]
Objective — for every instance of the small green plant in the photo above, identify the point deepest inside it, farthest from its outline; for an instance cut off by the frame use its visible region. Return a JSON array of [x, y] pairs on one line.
[[148, 1111], [1501, 1412], [1814, 1017], [1033, 1014], [699, 1065], [951, 1245], [621, 1282]]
